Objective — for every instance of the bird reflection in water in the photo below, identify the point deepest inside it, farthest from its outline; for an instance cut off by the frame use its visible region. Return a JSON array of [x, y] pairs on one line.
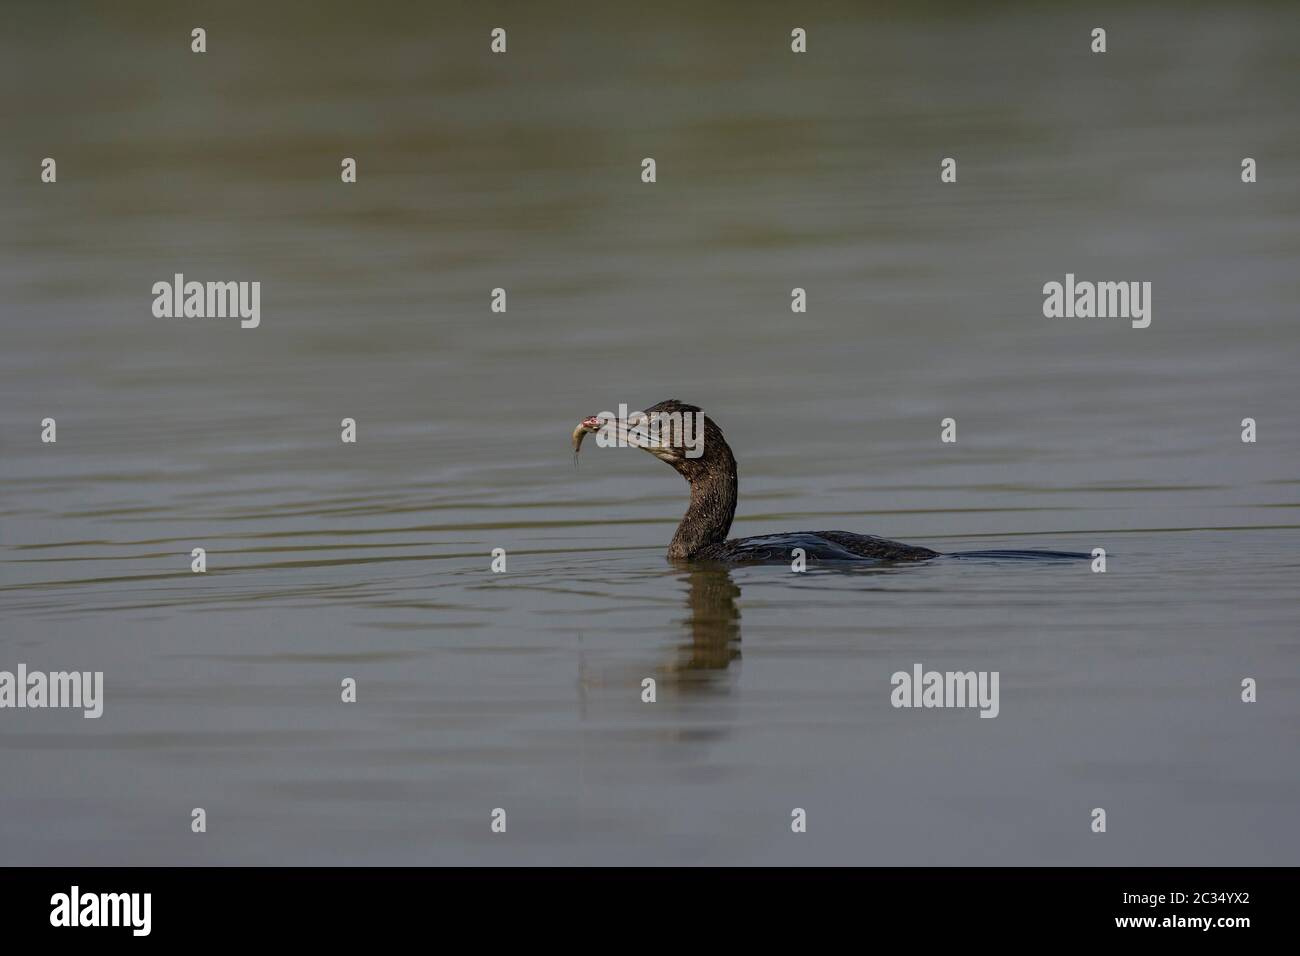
[[711, 630], [712, 627]]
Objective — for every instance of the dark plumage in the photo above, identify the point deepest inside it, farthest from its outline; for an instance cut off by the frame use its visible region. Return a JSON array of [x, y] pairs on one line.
[[702, 534]]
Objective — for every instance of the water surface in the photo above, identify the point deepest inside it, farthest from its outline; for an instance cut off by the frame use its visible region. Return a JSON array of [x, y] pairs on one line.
[[523, 690]]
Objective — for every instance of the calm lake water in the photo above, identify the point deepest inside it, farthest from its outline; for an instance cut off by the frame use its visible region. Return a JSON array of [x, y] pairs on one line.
[[523, 690]]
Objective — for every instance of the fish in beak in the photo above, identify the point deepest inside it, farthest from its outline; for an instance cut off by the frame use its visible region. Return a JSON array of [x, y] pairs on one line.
[[584, 427]]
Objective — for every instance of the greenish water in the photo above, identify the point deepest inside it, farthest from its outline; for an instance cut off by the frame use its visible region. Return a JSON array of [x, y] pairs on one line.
[[523, 690]]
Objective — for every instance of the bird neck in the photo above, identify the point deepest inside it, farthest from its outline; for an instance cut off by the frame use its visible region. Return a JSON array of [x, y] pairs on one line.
[[713, 505]]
